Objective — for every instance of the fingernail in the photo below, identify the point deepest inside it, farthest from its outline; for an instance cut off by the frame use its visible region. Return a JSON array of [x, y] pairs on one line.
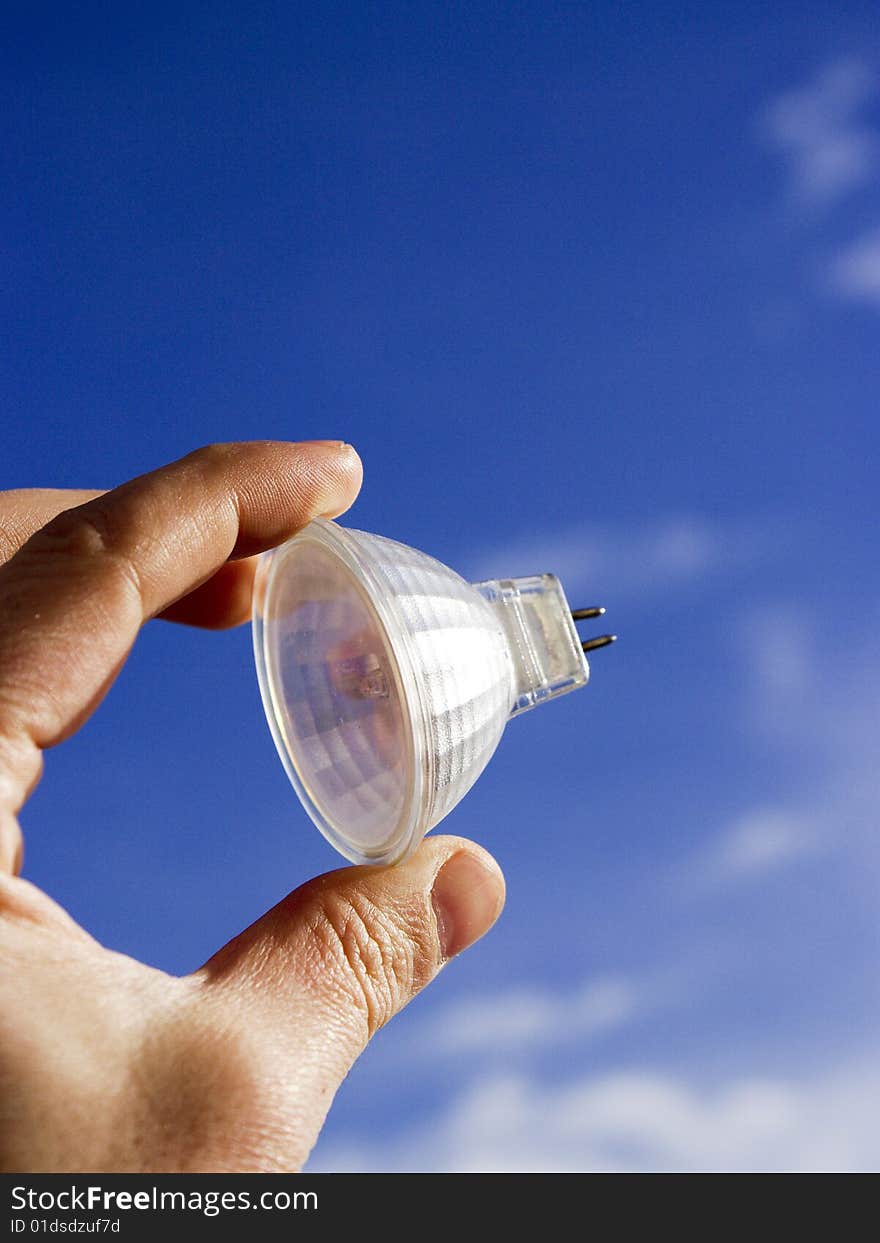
[[328, 444], [468, 895]]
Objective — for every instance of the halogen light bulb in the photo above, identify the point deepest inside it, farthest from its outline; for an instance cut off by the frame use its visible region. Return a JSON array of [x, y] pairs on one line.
[[387, 679]]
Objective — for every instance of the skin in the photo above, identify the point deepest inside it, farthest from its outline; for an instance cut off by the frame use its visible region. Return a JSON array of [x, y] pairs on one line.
[[110, 1065]]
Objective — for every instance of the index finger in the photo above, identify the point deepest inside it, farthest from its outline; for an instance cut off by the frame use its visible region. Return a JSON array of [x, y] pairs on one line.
[[73, 598], [222, 601]]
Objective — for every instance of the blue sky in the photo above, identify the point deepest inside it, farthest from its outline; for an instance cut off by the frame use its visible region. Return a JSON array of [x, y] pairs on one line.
[[593, 289]]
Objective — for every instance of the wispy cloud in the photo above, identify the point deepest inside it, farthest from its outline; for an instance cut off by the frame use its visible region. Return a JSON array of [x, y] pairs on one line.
[[854, 274], [760, 841], [799, 700], [830, 140], [820, 129], [590, 558], [827, 717], [524, 1018], [641, 1120]]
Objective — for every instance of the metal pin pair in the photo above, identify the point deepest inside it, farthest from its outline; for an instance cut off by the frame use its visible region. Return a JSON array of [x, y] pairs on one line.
[[602, 640]]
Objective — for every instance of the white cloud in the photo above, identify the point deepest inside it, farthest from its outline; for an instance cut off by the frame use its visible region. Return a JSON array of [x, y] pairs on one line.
[[524, 1018], [830, 149], [807, 701], [825, 716], [779, 648], [854, 274], [760, 841], [640, 1120], [594, 561]]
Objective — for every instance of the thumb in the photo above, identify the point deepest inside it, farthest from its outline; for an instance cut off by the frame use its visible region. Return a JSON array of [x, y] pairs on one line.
[[341, 955]]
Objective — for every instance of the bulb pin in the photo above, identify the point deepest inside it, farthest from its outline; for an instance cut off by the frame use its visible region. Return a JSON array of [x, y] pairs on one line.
[[590, 645]]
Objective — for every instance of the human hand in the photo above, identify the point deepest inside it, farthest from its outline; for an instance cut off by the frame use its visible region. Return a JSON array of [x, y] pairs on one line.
[[109, 1065]]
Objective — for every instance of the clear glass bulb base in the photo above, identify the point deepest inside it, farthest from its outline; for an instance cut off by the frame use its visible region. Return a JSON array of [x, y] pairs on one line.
[[545, 647]]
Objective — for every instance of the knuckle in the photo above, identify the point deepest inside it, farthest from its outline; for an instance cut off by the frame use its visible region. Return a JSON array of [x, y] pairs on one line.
[[380, 959], [214, 457], [84, 531], [23, 903], [218, 462], [86, 534]]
